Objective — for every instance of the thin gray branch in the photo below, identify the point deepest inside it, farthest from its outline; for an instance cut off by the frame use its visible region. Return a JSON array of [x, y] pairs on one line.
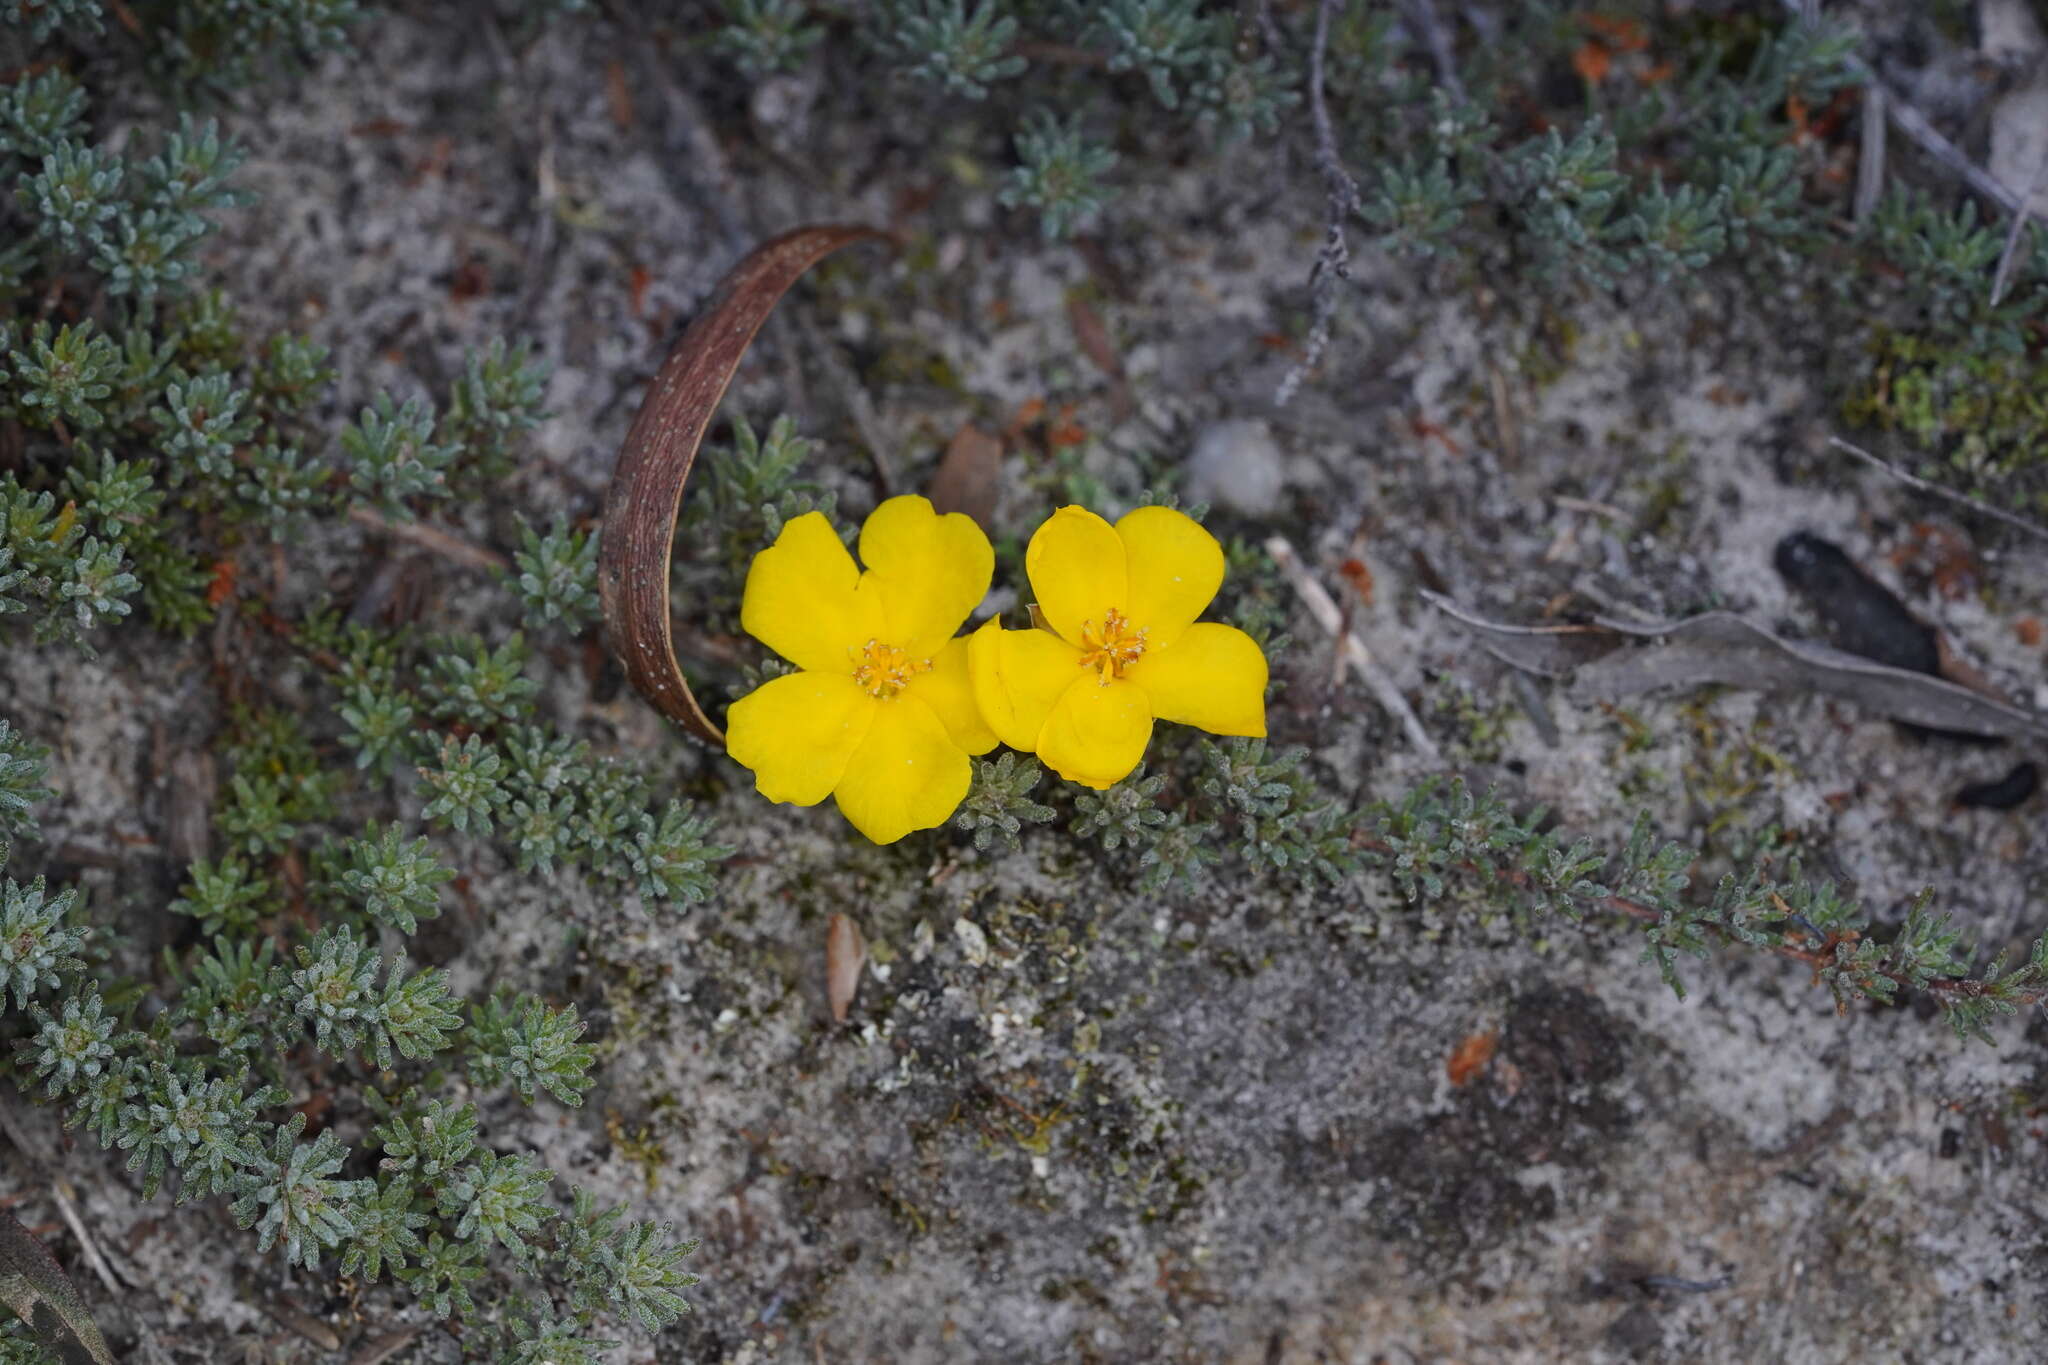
[[1936, 490], [2011, 252], [1421, 19], [1333, 261], [1925, 135], [1870, 155]]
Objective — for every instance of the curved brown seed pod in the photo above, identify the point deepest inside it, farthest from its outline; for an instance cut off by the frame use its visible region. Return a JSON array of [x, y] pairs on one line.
[[646, 492]]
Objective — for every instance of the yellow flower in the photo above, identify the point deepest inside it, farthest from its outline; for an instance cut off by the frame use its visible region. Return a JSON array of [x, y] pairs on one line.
[[881, 716], [1124, 647]]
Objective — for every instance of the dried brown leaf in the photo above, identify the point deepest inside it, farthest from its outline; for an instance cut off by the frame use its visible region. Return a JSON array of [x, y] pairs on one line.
[[618, 95], [646, 492], [1093, 337], [968, 475], [41, 1294], [1470, 1057], [1719, 647], [846, 953]]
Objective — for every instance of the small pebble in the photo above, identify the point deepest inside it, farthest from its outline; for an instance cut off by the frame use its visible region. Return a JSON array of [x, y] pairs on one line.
[[1236, 464]]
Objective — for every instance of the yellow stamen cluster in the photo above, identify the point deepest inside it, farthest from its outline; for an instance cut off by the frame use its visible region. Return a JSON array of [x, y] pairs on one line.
[[884, 670], [1112, 649]]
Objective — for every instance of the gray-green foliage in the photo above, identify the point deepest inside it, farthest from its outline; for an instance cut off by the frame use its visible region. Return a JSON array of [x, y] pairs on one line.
[[480, 686], [393, 457], [36, 943], [292, 1195], [556, 577], [999, 804], [497, 399], [194, 1098], [496, 772], [957, 48], [763, 37], [1209, 68], [1124, 813], [226, 897], [1059, 173], [1443, 841], [161, 440], [395, 881], [163, 451], [526, 1044], [156, 376], [753, 488], [1167, 41], [23, 766], [672, 855]]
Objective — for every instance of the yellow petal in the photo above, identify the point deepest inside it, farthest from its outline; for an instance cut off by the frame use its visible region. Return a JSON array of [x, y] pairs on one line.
[[1213, 678], [1017, 676], [1175, 568], [804, 599], [798, 733], [932, 569], [1097, 733], [1076, 564], [908, 774], [949, 692]]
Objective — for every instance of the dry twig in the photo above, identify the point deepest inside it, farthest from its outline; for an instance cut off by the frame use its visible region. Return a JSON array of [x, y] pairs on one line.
[[1925, 135], [1870, 155], [1420, 16], [1333, 261], [67, 1203], [2011, 251], [1949, 494], [446, 544], [1350, 649]]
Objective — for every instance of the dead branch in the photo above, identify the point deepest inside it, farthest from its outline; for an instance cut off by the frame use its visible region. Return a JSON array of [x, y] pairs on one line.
[[1333, 260], [1351, 651], [1936, 490]]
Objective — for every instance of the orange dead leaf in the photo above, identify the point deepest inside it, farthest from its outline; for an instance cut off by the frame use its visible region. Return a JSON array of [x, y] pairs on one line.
[[1795, 114], [1359, 577], [1064, 430], [2028, 629], [1942, 556], [1470, 1057], [636, 285], [1424, 429], [617, 95], [223, 585], [1592, 61], [1620, 33]]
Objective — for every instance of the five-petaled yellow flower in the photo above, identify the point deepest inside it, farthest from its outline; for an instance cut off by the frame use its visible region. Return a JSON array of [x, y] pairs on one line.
[[1124, 647], [881, 717]]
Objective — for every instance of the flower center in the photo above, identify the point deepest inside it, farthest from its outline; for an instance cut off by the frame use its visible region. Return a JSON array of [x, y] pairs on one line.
[[1112, 649], [884, 669]]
